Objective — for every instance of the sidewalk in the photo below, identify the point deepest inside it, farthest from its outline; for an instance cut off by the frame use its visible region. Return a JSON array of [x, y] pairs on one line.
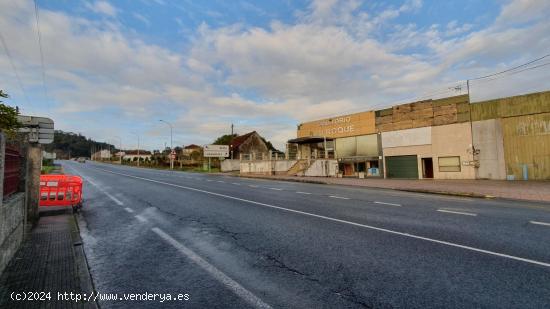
[[520, 190], [51, 259]]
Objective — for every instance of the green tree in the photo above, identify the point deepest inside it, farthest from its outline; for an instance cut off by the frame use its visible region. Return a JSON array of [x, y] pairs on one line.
[[8, 117], [225, 139]]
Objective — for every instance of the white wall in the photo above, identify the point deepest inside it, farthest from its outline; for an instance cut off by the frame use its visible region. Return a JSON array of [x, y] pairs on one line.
[[323, 168], [408, 137], [229, 165], [488, 140], [266, 167]]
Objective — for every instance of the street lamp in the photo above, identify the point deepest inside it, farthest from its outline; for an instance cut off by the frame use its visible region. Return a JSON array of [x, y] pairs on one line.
[[120, 150], [171, 149], [139, 158]]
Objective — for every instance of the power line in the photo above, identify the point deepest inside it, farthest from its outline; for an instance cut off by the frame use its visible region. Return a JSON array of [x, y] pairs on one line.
[[6, 49], [40, 48], [511, 69]]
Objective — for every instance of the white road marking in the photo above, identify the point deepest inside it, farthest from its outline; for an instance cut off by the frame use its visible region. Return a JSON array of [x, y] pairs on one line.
[[300, 192], [128, 209], [231, 284], [458, 212], [210, 180], [442, 242], [236, 183], [220, 181], [117, 201], [390, 204], [539, 223], [276, 189], [253, 186], [140, 218], [339, 197]]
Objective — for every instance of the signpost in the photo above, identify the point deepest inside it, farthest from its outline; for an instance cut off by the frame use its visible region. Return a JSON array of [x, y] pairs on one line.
[[40, 129], [215, 151]]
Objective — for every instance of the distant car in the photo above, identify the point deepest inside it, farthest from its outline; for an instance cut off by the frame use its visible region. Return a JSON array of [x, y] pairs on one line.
[[81, 160]]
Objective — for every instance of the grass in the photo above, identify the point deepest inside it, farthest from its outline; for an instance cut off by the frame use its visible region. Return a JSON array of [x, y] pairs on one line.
[[47, 169]]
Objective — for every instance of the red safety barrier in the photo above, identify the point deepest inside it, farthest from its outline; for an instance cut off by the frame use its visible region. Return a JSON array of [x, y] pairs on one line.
[[61, 190]]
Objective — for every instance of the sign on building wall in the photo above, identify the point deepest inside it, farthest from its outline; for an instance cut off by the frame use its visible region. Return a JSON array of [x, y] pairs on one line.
[[409, 137], [341, 126], [216, 151]]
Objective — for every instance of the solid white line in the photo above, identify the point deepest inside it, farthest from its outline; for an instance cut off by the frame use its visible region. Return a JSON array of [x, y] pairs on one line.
[[276, 189], [128, 209], [231, 284], [300, 192], [442, 242], [117, 201], [339, 197], [390, 204], [539, 223], [140, 218], [457, 212]]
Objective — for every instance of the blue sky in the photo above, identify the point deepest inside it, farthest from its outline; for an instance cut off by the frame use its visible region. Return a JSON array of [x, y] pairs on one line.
[[114, 68]]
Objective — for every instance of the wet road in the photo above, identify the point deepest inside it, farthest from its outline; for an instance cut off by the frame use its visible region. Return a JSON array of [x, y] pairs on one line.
[[232, 242]]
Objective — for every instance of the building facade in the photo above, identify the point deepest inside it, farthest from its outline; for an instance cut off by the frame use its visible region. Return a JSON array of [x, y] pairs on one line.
[[448, 138]]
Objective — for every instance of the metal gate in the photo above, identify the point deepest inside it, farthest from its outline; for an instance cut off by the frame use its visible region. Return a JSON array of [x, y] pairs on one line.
[[402, 167]]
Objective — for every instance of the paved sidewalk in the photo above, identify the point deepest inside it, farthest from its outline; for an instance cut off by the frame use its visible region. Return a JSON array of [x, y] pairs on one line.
[[51, 259], [521, 190]]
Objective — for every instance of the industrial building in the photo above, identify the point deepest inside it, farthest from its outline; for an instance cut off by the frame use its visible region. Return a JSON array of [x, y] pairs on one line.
[[448, 138]]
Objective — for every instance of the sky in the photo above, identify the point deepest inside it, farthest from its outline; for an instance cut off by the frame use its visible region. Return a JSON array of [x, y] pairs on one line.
[[111, 70]]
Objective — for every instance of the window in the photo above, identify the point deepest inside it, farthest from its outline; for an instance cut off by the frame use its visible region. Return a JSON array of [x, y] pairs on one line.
[[449, 164]]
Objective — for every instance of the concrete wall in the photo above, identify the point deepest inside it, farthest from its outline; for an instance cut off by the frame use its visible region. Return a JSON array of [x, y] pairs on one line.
[[229, 165], [410, 137], [323, 168], [12, 222], [488, 139], [446, 140], [266, 167]]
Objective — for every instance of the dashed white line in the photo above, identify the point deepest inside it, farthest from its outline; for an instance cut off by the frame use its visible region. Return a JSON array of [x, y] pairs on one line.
[[209, 180], [301, 192], [236, 183], [441, 242], [140, 218], [276, 189], [339, 197], [458, 212], [539, 223], [389, 204], [128, 209], [253, 186], [231, 284], [220, 181]]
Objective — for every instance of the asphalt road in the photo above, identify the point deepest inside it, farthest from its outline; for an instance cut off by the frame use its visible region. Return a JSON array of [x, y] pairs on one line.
[[233, 242]]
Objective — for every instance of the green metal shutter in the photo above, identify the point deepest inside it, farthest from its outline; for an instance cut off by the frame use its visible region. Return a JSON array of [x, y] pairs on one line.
[[402, 167]]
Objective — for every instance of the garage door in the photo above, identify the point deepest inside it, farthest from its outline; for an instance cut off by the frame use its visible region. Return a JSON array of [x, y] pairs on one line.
[[402, 167]]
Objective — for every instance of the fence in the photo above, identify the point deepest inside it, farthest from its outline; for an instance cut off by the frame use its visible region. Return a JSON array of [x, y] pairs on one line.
[[12, 170]]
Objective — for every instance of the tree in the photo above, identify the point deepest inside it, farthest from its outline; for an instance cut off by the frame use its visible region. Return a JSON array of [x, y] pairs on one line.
[[225, 139], [8, 117]]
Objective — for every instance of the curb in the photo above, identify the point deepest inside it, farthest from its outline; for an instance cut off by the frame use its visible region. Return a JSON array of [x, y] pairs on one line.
[[86, 282], [450, 193]]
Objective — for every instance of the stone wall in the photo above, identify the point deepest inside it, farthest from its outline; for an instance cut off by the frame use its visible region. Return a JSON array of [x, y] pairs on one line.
[[12, 222]]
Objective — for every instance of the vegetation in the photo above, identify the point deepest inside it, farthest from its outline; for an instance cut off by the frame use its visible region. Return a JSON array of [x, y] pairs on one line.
[[225, 139], [8, 117], [68, 144]]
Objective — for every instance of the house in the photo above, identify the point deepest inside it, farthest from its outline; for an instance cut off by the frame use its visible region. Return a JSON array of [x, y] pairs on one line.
[[190, 149], [249, 144], [133, 155], [103, 154]]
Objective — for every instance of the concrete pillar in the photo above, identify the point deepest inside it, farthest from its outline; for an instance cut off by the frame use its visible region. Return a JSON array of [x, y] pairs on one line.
[[269, 154], [2, 159], [240, 156], [287, 155], [34, 165]]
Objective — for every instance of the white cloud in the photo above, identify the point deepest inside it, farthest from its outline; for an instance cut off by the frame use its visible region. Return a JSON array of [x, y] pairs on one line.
[[102, 7], [142, 18], [334, 59]]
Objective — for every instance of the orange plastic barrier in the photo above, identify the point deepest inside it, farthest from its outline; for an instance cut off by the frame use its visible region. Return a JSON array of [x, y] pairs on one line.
[[61, 190]]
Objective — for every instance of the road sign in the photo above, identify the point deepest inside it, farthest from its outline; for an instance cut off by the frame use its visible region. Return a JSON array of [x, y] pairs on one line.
[[173, 155], [40, 129], [216, 151]]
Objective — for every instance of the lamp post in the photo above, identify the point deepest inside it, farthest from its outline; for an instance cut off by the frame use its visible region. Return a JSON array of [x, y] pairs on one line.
[[139, 158], [120, 150], [171, 149]]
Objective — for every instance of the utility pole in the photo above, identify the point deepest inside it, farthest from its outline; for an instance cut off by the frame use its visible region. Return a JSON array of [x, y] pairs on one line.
[[171, 144], [120, 150], [139, 158], [231, 142]]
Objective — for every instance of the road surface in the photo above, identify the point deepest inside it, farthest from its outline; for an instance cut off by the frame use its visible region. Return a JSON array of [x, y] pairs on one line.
[[230, 242]]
